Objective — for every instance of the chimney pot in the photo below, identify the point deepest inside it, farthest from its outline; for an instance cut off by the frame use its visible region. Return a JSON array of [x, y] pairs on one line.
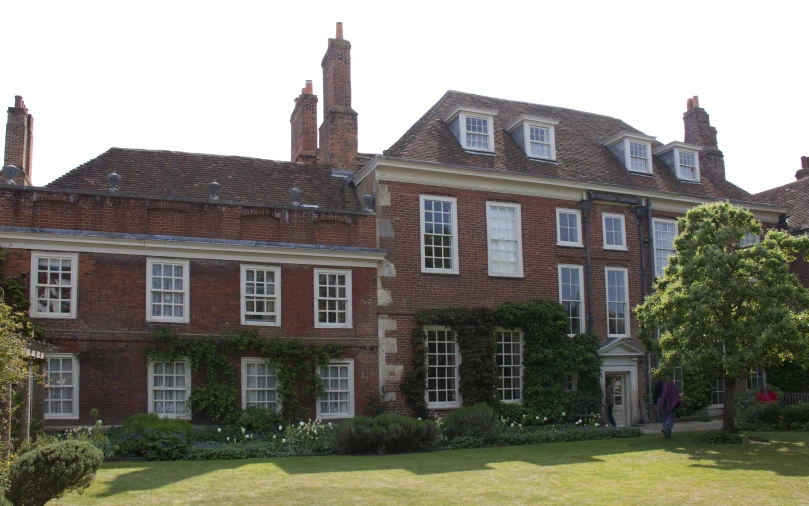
[[805, 162], [696, 101], [339, 30], [308, 88], [689, 104], [18, 103]]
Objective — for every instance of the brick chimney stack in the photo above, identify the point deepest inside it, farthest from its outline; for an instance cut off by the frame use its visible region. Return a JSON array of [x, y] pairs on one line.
[[304, 126], [19, 141], [338, 133], [804, 170], [698, 130]]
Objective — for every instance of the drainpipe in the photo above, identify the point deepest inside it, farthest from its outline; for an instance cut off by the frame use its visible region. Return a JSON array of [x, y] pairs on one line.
[[586, 206], [652, 273]]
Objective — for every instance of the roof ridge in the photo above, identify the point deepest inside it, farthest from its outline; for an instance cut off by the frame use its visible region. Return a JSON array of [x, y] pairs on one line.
[[212, 155], [782, 186]]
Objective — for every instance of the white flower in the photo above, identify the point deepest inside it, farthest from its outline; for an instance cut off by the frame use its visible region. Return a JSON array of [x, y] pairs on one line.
[[280, 427], [596, 424], [219, 429], [283, 440], [273, 437], [100, 422], [579, 420], [419, 420], [563, 413], [228, 438], [242, 430], [302, 424], [537, 417], [545, 419]]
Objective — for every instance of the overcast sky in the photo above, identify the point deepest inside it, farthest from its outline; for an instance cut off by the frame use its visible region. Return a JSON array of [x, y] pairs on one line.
[[220, 77]]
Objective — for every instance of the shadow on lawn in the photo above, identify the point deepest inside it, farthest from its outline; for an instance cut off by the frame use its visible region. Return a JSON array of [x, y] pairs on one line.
[[155, 475], [785, 458]]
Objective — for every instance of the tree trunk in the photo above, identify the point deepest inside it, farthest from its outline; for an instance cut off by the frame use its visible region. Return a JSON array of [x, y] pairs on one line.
[[729, 410], [24, 427]]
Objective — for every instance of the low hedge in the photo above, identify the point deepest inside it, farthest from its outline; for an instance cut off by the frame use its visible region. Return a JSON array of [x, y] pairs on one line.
[[386, 433], [771, 416], [543, 436], [150, 421], [476, 421]]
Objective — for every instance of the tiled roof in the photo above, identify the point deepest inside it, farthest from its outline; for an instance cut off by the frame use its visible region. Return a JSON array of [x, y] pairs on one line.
[[795, 197], [580, 155], [175, 174]]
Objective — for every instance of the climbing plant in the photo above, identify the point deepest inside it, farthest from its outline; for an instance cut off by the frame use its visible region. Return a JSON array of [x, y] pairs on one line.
[[548, 354], [295, 362]]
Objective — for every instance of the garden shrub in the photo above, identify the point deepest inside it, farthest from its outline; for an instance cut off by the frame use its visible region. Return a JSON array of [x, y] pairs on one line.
[[150, 421], [719, 437], [386, 433], [772, 416], [50, 471], [474, 421], [255, 419]]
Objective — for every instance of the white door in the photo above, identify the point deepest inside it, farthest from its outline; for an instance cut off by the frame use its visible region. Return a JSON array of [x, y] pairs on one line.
[[619, 392]]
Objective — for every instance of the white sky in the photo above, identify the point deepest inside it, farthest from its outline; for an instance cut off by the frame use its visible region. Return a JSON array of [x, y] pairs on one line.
[[220, 77]]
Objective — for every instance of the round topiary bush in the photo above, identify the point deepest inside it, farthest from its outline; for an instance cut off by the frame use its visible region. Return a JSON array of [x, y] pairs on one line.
[[50, 471]]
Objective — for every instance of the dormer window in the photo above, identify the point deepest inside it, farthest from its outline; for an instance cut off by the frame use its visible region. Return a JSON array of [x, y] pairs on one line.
[[639, 156], [474, 128], [634, 150], [535, 136], [682, 160]]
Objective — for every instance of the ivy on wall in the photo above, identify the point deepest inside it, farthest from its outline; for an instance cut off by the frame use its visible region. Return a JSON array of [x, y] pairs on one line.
[[16, 295], [548, 354], [295, 367]]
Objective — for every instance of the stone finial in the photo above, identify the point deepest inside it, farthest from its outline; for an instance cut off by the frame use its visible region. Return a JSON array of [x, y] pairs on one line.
[[113, 179], [214, 189], [295, 194], [369, 203], [11, 172]]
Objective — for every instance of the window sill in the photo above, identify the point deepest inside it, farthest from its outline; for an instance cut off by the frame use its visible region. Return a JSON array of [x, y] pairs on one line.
[[51, 417], [261, 324], [444, 405], [334, 326], [519, 275], [543, 160], [51, 316], [689, 181], [436, 271], [513, 401], [570, 245], [613, 248], [168, 320], [473, 152], [639, 173]]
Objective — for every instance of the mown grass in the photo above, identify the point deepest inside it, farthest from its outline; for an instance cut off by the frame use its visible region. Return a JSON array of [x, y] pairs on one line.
[[646, 470]]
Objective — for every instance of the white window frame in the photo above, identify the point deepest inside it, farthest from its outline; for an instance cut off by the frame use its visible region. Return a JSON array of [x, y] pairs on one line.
[[258, 361], [559, 241], [627, 316], [715, 390], [518, 230], [521, 366], [349, 299], [186, 290], [454, 257], [655, 221], [574, 379], [579, 268], [74, 283], [243, 284], [470, 112], [489, 131], [679, 173], [75, 373], [351, 396], [446, 404], [749, 239], [185, 415], [759, 376], [525, 123], [628, 155], [617, 216]]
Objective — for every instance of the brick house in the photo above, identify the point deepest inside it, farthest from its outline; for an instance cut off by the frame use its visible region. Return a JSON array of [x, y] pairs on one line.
[[481, 201]]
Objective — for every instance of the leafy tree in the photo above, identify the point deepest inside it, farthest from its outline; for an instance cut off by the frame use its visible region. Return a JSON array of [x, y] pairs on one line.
[[723, 309]]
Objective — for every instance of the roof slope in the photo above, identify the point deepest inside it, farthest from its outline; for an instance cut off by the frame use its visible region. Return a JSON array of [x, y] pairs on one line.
[[795, 197], [176, 174], [579, 152]]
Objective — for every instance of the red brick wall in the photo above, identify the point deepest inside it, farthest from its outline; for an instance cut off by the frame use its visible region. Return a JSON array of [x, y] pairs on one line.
[[112, 213], [304, 129], [338, 132]]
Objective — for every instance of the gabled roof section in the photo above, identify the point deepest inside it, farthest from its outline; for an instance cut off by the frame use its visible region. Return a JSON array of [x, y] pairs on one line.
[[176, 174], [621, 346], [795, 197], [580, 156]]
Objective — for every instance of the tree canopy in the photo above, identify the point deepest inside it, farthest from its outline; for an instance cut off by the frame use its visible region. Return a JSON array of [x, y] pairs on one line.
[[723, 308]]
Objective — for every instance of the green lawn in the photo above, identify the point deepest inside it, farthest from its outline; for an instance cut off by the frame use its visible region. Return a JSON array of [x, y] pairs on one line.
[[646, 470]]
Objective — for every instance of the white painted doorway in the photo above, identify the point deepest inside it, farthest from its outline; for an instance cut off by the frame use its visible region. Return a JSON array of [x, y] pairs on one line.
[[618, 384]]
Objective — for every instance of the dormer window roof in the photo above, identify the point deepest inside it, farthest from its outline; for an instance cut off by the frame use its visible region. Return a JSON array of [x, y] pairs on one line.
[[536, 136], [473, 127], [633, 149], [681, 158]]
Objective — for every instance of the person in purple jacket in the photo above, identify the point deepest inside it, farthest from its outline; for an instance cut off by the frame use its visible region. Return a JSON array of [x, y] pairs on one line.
[[668, 402]]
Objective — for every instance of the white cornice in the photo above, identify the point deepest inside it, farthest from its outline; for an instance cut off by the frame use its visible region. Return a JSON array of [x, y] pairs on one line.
[[531, 119], [43, 241], [498, 181], [676, 144], [471, 110], [631, 135]]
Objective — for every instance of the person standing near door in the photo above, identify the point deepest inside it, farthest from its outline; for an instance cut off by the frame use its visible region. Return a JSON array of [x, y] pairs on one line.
[[669, 401], [610, 398]]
